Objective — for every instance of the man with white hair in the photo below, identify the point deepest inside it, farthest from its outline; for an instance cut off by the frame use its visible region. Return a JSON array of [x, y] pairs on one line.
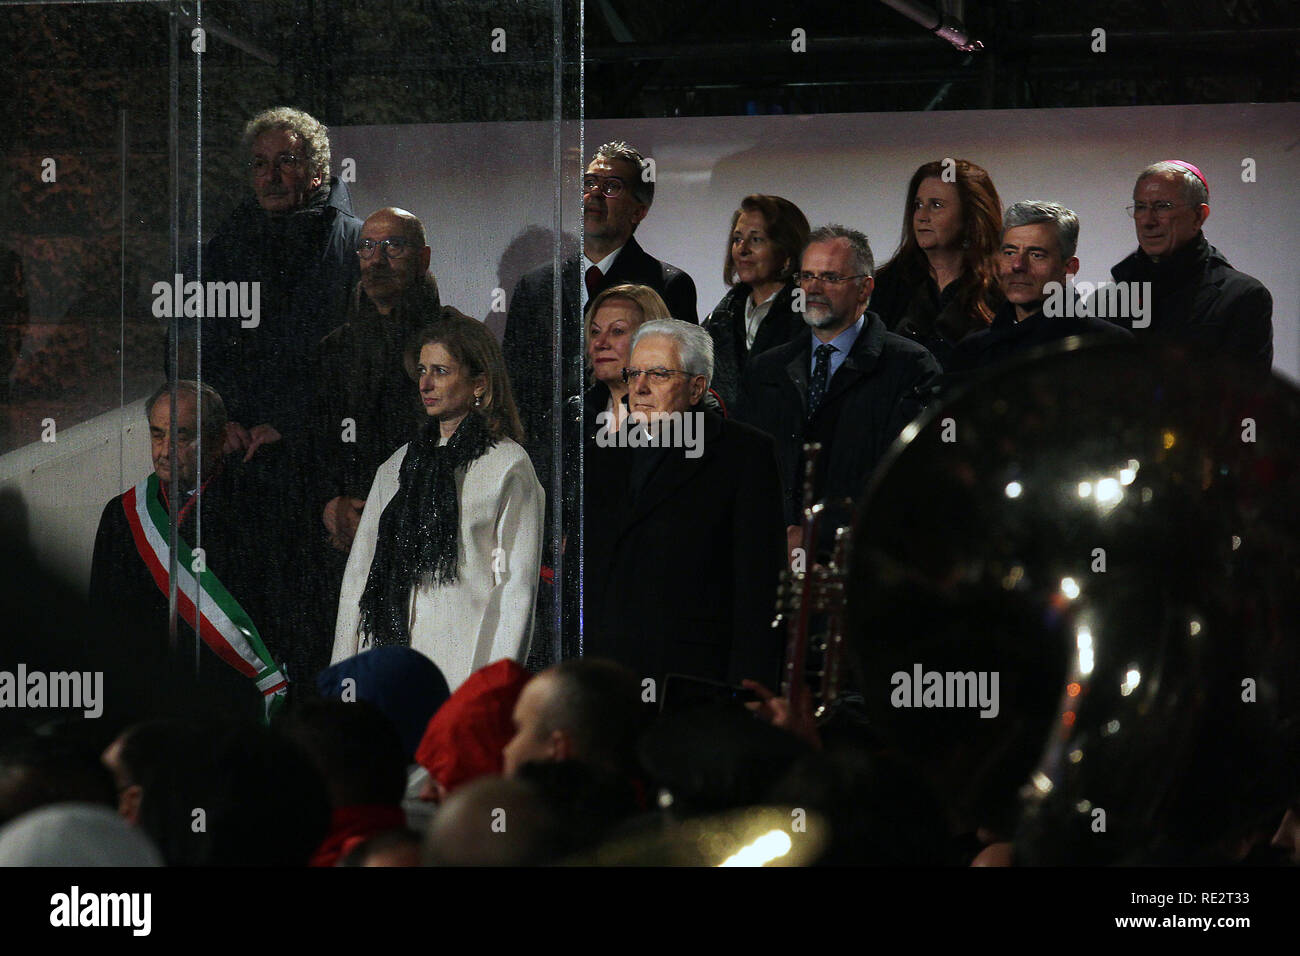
[[1197, 297], [684, 531]]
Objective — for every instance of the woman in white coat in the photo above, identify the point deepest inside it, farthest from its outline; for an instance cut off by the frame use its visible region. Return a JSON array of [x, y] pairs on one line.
[[447, 554]]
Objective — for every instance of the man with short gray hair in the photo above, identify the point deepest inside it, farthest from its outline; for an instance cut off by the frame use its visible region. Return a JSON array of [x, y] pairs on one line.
[[848, 384], [295, 237], [1035, 263], [683, 533], [694, 354], [1197, 298]]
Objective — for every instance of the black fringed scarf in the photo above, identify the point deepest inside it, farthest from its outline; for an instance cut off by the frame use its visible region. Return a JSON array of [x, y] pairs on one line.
[[419, 531]]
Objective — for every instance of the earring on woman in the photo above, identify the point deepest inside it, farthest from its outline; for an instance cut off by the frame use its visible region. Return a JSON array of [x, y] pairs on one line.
[[478, 401]]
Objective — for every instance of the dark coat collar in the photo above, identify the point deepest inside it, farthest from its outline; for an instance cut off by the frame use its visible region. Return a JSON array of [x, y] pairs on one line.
[[1004, 320], [860, 361], [1182, 264], [331, 196], [631, 254], [675, 471]]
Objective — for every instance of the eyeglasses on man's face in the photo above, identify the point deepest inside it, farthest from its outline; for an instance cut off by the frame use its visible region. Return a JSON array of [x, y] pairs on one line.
[[285, 162], [609, 186], [1161, 207], [828, 278], [657, 375], [394, 247]]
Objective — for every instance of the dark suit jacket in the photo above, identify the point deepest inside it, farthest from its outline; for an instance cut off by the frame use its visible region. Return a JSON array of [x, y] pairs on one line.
[[634, 264], [357, 372], [1006, 338], [683, 579], [884, 383]]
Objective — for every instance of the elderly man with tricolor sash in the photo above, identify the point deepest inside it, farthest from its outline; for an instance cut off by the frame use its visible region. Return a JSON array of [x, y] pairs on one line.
[[230, 556]]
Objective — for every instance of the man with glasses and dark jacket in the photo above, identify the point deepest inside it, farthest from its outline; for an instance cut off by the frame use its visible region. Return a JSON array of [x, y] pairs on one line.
[[296, 237], [848, 384], [365, 406], [1197, 298], [683, 541]]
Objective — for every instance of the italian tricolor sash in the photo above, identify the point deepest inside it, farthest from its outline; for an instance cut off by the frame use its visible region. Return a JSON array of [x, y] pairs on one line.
[[223, 624]]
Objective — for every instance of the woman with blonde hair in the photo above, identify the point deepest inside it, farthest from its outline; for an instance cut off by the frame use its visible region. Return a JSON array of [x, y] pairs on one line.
[[447, 554], [613, 317]]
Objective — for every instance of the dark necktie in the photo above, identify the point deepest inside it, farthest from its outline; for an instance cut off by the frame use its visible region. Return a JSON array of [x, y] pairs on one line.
[[821, 372], [594, 279]]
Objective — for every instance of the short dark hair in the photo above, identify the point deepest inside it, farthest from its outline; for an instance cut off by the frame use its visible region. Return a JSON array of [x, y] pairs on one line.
[[787, 228], [398, 838], [248, 780], [597, 703], [643, 190], [164, 759], [263, 783]]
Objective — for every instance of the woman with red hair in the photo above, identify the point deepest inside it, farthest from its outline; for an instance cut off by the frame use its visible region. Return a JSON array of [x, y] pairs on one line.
[[942, 284]]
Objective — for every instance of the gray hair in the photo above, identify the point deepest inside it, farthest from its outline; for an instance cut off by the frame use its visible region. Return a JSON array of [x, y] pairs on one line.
[[1195, 192], [865, 261], [694, 344], [642, 190], [313, 133], [1029, 212], [212, 410]]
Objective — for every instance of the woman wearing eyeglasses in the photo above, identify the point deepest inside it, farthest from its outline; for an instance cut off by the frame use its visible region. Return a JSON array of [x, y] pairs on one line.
[[941, 284], [767, 234], [447, 555]]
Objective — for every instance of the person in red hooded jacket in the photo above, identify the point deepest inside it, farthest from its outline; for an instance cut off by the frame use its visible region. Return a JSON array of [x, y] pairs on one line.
[[466, 737]]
